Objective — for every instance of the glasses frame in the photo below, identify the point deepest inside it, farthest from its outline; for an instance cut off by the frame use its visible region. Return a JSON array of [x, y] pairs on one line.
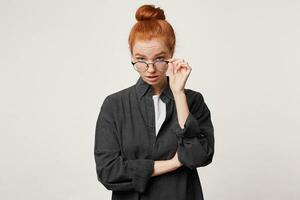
[[153, 63]]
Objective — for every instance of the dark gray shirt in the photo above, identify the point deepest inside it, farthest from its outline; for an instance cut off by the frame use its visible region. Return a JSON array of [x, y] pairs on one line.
[[126, 145]]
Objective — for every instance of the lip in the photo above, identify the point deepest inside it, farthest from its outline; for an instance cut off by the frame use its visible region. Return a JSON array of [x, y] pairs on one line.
[[151, 78]]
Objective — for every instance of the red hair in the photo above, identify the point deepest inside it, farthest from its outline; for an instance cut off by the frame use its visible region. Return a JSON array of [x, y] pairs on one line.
[[152, 23]]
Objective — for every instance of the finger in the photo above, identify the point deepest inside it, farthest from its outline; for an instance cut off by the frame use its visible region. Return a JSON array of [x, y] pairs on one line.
[[185, 64], [177, 67], [189, 69], [177, 61], [171, 69], [181, 64], [170, 64]]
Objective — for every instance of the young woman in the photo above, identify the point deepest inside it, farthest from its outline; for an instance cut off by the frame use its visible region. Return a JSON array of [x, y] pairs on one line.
[[151, 136]]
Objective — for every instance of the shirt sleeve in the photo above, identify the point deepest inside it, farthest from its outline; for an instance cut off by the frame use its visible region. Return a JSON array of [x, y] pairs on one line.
[[196, 139], [113, 170]]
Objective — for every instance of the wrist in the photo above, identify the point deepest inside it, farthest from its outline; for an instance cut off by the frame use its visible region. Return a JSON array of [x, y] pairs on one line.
[[178, 93], [175, 163]]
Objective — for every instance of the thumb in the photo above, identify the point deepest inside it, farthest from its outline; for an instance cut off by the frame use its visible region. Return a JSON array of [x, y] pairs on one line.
[[171, 69]]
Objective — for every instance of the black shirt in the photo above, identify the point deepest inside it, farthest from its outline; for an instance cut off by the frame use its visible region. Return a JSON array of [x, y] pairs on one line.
[[126, 145]]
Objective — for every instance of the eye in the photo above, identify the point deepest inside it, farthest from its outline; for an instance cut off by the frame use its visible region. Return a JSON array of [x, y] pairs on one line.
[[140, 58], [160, 58]]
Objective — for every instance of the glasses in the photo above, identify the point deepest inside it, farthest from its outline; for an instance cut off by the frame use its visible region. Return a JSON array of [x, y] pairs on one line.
[[143, 66]]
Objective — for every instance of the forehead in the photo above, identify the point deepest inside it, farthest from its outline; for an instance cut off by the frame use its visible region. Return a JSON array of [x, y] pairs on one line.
[[149, 48]]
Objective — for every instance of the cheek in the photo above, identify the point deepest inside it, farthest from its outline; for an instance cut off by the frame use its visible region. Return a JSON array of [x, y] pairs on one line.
[[163, 74]]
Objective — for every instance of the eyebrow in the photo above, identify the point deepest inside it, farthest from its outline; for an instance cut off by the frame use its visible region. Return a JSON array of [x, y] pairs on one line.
[[138, 54]]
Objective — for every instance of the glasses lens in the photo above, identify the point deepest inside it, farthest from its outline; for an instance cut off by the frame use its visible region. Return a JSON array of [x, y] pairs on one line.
[[161, 65], [140, 66]]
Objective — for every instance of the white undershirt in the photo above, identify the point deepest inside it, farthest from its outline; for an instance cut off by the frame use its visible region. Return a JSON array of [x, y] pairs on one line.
[[160, 112]]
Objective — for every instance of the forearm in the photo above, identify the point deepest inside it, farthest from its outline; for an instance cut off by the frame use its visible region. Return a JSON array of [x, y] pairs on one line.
[[181, 107], [164, 166], [196, 134]]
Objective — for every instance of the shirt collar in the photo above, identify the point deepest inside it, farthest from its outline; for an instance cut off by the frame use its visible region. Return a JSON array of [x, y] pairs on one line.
[[143, 88]]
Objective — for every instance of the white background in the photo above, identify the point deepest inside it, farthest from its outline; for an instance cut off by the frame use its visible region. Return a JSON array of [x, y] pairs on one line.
[[59, 59]]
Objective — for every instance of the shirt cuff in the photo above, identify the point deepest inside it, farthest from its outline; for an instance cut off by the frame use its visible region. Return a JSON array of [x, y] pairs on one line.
[[141, 170], [191, 128]]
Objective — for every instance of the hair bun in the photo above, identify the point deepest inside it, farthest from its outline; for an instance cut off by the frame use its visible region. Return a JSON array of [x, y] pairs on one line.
[[149, 12]]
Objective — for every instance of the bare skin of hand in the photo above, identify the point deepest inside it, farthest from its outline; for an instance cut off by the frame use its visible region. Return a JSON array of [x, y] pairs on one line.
[[176, 161], [179, 71], [165, 166]]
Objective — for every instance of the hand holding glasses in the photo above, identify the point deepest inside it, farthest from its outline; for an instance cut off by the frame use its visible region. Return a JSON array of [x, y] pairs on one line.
[[179, 70]]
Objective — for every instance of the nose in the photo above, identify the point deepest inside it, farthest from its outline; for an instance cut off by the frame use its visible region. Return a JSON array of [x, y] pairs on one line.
[[151, 67]]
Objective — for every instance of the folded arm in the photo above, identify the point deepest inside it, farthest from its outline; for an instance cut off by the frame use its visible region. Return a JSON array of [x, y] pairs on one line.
[[195, 132]]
